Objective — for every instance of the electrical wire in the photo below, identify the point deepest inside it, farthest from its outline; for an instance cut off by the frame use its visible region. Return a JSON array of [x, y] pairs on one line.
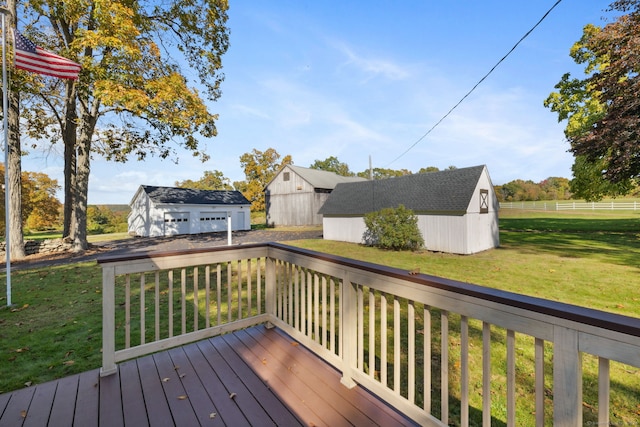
[[476, 85]]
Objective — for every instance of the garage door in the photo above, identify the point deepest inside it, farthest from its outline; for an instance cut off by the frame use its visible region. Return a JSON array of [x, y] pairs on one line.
[[176, 223], [213, 221]]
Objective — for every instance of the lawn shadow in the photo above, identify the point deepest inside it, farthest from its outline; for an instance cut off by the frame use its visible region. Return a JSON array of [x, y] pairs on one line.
[[615, 241]]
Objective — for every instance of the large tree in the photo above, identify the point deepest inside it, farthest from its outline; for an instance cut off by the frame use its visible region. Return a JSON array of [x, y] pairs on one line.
[[603, 109], [382, 173], [211, 180], [133, 98], [332, 164]]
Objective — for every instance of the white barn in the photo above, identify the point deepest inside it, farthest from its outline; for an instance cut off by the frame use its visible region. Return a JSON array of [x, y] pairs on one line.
[[295, 194], [167, 211], [457, 209]]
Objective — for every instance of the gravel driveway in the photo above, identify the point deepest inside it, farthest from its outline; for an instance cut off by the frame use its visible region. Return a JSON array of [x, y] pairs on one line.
[[160, 244]]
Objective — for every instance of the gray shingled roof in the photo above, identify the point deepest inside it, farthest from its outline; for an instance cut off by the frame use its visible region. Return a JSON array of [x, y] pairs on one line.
[[435, 192], [190, 196], [323, 179]]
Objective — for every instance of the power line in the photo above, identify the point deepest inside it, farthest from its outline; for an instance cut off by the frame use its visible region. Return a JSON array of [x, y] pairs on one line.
[[477, 84]]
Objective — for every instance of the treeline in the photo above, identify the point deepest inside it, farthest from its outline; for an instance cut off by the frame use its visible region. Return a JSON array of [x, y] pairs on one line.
[[261, 166], [107, 219], [42, 211], [552, 188]]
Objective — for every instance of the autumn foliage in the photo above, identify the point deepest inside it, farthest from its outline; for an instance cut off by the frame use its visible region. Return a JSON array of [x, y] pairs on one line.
[[40, 207]]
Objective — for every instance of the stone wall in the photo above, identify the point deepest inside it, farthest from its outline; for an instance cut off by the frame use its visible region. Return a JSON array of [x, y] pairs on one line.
[[32, 247]]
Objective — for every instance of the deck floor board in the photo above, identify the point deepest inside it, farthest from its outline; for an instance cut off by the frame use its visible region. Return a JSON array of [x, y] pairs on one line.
[[64, 407], [42, 397], [133, 408], [155, 400], [257, 376], [88, 403], [18, 408]]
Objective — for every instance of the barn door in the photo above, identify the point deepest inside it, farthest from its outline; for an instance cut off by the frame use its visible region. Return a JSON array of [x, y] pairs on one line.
[[176, 223]]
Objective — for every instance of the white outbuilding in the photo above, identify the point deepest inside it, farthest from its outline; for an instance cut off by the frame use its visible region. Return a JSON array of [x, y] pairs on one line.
[[167, 211], [457, 209]]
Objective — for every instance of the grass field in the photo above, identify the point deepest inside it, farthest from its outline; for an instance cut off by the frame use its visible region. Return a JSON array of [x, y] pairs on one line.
[[584, 258]]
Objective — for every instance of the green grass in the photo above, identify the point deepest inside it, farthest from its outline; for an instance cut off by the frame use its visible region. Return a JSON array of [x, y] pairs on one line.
[[583, 258], [43, 235], [92, 238], [54, 329]]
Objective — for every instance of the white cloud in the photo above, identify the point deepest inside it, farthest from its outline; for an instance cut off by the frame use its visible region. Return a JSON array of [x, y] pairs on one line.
[[246, 110], [371, 66]]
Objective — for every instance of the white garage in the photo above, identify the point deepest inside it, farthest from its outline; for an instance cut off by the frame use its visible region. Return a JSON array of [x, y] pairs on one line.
[[169, 211]]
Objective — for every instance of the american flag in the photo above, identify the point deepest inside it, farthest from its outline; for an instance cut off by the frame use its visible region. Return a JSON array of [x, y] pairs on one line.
[[30, 57]]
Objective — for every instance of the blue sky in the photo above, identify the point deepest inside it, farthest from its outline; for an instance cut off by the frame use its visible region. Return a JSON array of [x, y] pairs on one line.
[[354, 79]]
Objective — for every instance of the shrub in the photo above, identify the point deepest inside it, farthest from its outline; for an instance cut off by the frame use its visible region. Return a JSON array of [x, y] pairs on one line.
[[393, 228]]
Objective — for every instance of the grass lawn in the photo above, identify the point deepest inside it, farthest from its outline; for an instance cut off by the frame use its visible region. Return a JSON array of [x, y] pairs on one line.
[[585, 258]]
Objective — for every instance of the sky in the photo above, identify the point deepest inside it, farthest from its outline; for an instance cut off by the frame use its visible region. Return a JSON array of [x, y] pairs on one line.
[[365, 81]]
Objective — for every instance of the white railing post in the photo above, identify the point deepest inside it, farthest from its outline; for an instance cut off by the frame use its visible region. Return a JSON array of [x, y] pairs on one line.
[[229, 225], [349, 319], [567, 378], [108, 322], [270, 281]]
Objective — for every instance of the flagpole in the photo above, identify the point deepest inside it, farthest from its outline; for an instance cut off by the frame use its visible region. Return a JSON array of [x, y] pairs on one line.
[[5, 122]]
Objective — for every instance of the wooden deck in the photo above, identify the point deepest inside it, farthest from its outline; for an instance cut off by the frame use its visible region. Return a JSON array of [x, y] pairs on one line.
[[253, 377]]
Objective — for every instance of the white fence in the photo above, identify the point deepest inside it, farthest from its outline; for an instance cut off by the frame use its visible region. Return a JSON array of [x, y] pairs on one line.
[[572, 206]]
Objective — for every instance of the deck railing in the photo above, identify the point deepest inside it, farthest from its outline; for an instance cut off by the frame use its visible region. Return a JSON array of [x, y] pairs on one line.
[[427, 345]]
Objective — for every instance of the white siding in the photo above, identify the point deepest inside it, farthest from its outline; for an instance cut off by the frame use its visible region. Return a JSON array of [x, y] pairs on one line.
[[443, 233], [145, 218], [241, 221], [343, 229], [139, 217], [482, 232], [464, 234]]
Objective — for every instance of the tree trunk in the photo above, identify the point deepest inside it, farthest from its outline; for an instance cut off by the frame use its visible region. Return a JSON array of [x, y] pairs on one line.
[[81, 187], [69, 138], [15, 179], [81, 192], [14, 186]]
